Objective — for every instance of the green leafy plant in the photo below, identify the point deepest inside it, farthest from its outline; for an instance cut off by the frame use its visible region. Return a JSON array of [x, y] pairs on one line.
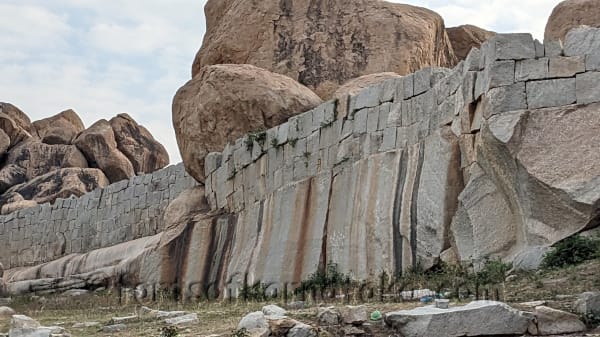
[[572, 251], [293, 142], [258, 137], [275, 142]]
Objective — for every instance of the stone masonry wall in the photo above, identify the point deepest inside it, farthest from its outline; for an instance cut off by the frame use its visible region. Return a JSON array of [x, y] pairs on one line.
[[381, 186], [124, 211]]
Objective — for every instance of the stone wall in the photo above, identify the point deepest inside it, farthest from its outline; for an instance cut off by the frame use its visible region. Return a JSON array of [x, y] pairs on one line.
[[406, 173], [124, 211]]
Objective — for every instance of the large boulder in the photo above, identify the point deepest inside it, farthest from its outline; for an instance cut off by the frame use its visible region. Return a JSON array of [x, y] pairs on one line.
[[555, 322], [38, 158], [61, 183], [13, 131], [11, 175], [4, 142], [12, 202], [224, 102], [20, 118], [530, 189], [59, 129], [138, 145], [479, 318], [570, 14], [99, 146], [323, 44], [466, 37]]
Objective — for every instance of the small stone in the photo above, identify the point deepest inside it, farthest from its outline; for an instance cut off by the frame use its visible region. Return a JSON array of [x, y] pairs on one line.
[[354, 314], [114, 328], [6, 312], [442, 303], [302, 330], [588, 303], [254, 320], [273, 310], [185, 320]]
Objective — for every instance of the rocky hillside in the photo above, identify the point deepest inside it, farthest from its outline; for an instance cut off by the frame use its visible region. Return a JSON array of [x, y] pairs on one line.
[[57, 157], [570, 14]]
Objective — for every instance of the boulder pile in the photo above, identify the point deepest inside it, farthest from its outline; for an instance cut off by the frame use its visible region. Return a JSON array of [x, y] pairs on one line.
[[57, 157]]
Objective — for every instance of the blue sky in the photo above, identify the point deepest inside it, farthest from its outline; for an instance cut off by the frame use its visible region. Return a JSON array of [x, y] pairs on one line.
[[103, 57]]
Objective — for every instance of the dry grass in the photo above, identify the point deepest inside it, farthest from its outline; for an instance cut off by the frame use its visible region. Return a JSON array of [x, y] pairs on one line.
[[557, 287]]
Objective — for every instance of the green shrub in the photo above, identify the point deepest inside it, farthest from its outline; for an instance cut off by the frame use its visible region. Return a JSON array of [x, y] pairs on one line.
[[571, 251], [168, 331], [242, 332]]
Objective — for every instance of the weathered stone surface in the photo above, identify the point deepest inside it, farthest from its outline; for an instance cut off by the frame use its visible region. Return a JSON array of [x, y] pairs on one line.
[[355, 315], [468, 320], [4, 141], [466, 37], [532, 69], [587, 87], [38, 158], [225, 102], [23, 326], [566, 66], [582, 41], [99, 146], [138, 145], [555, 322], [59, 129], [253, 320], [551, 93], [588, 303], [273, 310], [61, 183], [324, 45], [6, 312], [516, 46], [114, 328], [570, 14], [503, 99], [11, 128], [11, 175], [354, 86], [328, 316], [302, 330], [185, 320], [18, 116]]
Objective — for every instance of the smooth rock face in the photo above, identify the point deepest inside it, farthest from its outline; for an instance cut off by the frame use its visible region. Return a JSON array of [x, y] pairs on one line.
[[324, 44], [59, 129], [466, 37], [99, 146], [570, 14], [273, 310], [351, 88], [138, 145], [554, 322], [20, 118], [61, 183], [479, 318], [11, 128], [224, 102]]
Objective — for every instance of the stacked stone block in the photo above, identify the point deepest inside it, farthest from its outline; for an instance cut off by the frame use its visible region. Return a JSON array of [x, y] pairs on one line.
[[124, 211]]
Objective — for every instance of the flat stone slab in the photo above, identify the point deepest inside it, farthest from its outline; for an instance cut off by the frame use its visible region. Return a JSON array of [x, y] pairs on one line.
[[478, 318]]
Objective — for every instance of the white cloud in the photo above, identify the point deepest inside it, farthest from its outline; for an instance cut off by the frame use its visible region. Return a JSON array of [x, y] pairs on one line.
[[103, 57]]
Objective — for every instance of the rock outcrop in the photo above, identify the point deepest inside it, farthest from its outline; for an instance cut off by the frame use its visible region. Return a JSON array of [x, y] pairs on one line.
[[323, 44], [224, 102], [99, 146], [466, 37], [138, 145], [570, 14], [120, 148], [59, 129]]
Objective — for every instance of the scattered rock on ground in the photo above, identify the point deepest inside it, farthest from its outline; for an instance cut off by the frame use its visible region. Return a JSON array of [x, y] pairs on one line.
[[6, 312], [273, 310], [84, 325], [253, 320], [588, 303], [23, 326], [185, 320], [114, 328], [460, 321], [225, 102], [328, 316], [355, 315], [555, 322], [124, 319], [302, 330]]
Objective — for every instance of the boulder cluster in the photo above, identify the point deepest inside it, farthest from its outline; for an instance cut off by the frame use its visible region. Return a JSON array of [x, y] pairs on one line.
[[57, 157]]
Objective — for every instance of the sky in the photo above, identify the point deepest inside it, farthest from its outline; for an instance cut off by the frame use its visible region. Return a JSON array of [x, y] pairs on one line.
[[104, 57]]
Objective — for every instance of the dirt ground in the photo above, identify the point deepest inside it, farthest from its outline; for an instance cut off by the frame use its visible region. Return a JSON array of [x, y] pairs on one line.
[[558, 288]]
